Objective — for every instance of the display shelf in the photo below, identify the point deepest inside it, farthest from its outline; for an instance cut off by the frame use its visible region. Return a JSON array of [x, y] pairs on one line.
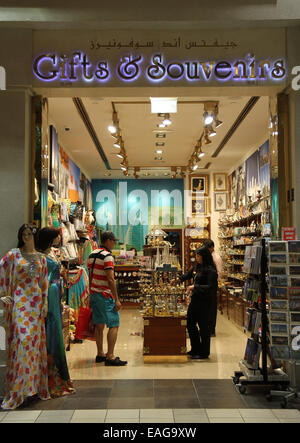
[[128, 278]]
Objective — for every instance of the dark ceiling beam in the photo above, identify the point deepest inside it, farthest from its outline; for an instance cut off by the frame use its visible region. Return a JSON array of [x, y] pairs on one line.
[[89, 126], [236, 124]]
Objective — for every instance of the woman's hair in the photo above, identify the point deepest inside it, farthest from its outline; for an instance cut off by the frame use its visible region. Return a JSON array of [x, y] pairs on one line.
[[46, 237], [30, 226], [207, 260]]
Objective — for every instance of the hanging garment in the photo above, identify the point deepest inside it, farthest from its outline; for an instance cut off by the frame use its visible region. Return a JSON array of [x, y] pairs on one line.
[[23, 286], [59, 382], [78, 292]]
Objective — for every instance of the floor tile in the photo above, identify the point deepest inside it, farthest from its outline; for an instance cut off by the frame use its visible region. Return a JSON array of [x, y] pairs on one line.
[[186, 419], [215, 413], [122, 420], [172, 402], [289, 420], [261, 420], [189, 412], [66, 414], [53, 419], [87, 420], [85, 403], [156, 413], [157, 420], [131, 403], [92, 392], [21, 415], [18, 421], [89, 414], [286, 413], [226, 420], [253, 413], [2, 415], [123, 413]]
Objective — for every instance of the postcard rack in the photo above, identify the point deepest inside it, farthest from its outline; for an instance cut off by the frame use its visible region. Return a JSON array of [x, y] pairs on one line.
[[284, 270], [260, 375]]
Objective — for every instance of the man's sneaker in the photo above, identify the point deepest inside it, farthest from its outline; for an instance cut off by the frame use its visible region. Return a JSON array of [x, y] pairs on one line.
[[115, 362], [100, 358]]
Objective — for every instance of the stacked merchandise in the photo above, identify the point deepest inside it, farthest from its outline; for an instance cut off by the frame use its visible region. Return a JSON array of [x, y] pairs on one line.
[[284, 316]]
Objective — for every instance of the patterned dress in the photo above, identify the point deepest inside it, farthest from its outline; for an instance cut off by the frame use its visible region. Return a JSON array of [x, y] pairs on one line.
[[24, 286], [58, 375]]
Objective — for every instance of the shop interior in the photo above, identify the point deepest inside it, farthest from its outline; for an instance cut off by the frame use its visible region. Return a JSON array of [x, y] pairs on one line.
[[222, 172]]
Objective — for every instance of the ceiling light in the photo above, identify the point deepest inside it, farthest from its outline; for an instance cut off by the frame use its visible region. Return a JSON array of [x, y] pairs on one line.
[[211, 131], [167, 120], [120, 155], [206, 139], [161, 125], [160, 135], [159, 144], [208, 118], [218, 123], [201, 154], [167, 173], [163, 105], [117, 144], [123, 168], [112, 129], [195, 167], [159, 151]]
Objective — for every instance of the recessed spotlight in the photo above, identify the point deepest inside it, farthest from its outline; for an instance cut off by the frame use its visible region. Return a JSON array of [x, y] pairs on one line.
[[159, 144], [117, 145], [120, 156], [159, 151], [160, 135], [195, 167]]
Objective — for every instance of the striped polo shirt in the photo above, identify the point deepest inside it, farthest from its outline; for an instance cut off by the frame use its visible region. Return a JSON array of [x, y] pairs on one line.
[[104, 261]]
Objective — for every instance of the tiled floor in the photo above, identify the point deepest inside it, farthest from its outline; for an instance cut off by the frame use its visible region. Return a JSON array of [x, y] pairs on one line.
[[158, 394], [227, 348], [157, 416]]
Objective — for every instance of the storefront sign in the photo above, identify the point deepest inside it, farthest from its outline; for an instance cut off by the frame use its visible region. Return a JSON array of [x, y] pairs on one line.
[[2, 79], [76, 67], [289, 234]]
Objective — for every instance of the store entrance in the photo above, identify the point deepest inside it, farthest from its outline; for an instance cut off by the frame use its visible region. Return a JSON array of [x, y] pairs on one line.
[[188, 180]]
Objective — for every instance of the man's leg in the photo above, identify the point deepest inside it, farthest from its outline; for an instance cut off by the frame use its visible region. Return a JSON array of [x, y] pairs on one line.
[[99, 339], [112, 336]]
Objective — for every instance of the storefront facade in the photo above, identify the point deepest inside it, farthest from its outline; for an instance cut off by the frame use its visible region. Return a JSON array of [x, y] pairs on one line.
[[174, 63]]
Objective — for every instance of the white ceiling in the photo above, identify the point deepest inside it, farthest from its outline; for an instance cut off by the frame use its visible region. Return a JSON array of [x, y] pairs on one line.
[[138, 127]]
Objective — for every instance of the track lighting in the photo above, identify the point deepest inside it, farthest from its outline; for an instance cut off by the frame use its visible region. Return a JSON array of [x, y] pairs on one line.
[[120, 155], [195, 167], [112, 129], [211, 131], [206, 139], [218, 123], [208, 118], [117, 144], [167, 120]]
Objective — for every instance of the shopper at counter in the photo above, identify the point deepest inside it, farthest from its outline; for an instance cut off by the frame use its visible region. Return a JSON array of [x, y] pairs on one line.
[[105, 302], [208, 243], [203, 290], [59, 381], [23, 291]]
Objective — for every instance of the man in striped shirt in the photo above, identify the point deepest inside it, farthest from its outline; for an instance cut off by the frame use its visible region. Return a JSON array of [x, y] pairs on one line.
[[105, 303]]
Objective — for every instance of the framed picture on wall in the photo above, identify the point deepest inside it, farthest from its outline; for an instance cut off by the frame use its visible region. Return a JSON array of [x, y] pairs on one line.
[[220, 182], [199, 206], [199, 183], [220, 201], [54, 159]]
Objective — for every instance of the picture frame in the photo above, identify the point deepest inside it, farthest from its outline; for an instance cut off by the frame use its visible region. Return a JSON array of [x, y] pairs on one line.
[[54, 159], [200, 206], [199, 183], [220, 201], [220, 181]]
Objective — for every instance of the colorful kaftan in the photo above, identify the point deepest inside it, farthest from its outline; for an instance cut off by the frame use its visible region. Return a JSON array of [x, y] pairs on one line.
[[58, 375], [24, 286]]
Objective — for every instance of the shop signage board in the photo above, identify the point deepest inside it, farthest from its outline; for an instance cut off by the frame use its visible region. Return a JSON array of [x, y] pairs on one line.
[[147, 58], [289, 234]]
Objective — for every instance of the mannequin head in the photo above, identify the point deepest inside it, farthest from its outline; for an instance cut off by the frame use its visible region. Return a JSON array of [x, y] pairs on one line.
[[47, 238], [26, 236]]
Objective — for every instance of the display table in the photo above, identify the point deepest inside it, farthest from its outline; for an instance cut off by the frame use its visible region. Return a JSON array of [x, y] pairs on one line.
[[165, 339]]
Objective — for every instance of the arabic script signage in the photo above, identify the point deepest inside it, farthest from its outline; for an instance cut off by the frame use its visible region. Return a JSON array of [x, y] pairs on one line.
[[76, 66]]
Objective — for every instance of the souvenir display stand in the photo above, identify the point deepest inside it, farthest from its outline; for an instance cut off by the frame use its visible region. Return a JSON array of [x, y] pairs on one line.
[[284, 270], [250, 373], [164, 314]]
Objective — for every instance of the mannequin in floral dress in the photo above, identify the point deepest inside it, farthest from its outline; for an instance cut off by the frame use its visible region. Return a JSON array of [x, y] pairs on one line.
[[23, 291], [58, 374]]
